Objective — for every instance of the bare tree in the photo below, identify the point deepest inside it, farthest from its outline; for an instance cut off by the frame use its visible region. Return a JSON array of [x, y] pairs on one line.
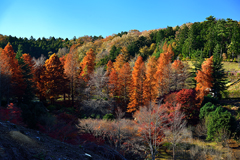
[[152, 121], [97, 100], [39, 62], [177, 130], [62, 51]]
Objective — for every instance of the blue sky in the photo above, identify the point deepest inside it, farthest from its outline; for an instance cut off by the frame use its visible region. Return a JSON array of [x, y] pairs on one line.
[[66, 19]]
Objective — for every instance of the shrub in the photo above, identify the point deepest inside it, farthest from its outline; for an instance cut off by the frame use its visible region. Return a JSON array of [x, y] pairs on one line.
[[219, 120], [11, 114], [206, 109], [109, 116]]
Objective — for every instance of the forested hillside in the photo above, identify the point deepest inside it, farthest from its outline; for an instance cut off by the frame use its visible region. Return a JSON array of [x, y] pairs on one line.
[[132, 91]]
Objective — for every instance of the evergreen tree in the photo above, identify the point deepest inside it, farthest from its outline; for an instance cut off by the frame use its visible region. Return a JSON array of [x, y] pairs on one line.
[[219, 76]]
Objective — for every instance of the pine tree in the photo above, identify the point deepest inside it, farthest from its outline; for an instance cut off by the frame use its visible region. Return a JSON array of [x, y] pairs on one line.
[[219, 76]]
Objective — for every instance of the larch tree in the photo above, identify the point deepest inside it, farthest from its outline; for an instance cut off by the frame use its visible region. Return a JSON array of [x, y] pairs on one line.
[[113, 84], [119, 62], [5, 76], [54, 75], [17, 84], [136, 92], [109, 67], [71, 71], [204, 79], [87, 65], [150, 83], [162, 74], [124, 81]]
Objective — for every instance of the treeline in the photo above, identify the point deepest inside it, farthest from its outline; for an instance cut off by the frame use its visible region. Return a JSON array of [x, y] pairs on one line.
[[188, 42], [41, 46]]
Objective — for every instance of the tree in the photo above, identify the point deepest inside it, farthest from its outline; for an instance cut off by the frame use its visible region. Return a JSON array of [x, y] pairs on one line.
[[54, 75], [87, 65], [204, 79], [218, 75], [177, 131], [163, 70], [113, 84], [39, 76], [136, 93], [17, 84], [97, 100], [152, 121], [124, 82], [150, 83], [109, 67], [5, 76], [119, 62], [70, 70]]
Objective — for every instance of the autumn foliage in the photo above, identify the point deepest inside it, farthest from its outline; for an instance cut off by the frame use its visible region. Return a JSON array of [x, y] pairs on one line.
[[136, 91], [87, 65], [204, 79], [53, 77]]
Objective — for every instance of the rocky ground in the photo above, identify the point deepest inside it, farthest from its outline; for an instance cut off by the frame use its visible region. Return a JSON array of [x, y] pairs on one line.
[[20, 143]]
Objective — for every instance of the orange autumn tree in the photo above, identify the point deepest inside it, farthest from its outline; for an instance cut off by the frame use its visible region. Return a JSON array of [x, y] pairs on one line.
[[87, 65], [161, 74], [109, 67], [5, 76], [54, 75], [136, 92], [119, 62], [17, 82], [150, 83], [113, 84], [204, 79], [124, 81], [71, 71]]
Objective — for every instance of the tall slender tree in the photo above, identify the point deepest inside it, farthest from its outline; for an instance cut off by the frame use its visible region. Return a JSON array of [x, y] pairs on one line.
[[150, 84], [136, 93]]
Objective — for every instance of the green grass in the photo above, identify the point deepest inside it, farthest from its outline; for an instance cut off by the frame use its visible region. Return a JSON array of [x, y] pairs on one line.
[[228, 66]]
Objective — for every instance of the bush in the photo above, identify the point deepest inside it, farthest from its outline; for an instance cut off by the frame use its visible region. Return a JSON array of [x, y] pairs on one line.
[[109, 116], [219, 120], [206, 109]]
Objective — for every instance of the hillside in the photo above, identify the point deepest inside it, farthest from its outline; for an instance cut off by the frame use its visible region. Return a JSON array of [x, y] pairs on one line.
[[17, 142]]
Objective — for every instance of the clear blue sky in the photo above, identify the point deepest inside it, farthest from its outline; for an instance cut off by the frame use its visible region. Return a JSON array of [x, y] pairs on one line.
[[68, 18]]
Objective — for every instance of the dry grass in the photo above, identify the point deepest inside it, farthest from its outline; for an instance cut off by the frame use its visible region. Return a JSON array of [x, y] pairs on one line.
[[22, 138]]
